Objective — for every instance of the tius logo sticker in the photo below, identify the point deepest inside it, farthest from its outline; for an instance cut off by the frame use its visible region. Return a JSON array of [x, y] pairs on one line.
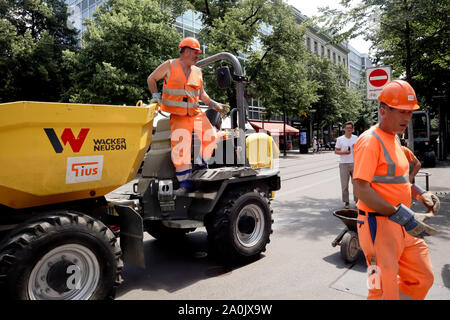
[[84, 169]]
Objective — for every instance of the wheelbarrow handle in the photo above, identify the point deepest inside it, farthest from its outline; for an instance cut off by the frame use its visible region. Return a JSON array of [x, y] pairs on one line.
[[339, 237]]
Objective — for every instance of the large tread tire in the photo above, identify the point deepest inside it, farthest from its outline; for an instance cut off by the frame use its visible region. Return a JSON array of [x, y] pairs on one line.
[[231, 244], [26, 247]]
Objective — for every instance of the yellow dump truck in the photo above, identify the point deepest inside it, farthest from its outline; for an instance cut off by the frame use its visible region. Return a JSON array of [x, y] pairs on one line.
[[59, 236]]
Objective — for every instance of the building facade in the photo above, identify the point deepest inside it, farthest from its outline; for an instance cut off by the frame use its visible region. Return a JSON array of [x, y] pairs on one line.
[[357, 64]]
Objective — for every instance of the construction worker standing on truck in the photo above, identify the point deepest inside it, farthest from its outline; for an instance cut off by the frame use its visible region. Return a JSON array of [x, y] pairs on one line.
[[390, 233], [182, 90]]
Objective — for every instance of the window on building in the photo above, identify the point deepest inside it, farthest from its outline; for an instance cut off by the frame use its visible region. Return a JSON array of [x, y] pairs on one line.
[[188, 33], [308, 44], [334, 57], [316, 50], [339, 59], [328, 53], [322, 51], [187, 17]]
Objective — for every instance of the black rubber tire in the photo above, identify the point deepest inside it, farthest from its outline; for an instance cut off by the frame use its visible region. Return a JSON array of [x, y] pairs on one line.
[[160, 232], [222, 224], [350, 247], [23, 248]]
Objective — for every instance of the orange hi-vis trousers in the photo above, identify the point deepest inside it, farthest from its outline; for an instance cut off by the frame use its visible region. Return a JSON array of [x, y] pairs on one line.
[[181, 141], [402, 261]]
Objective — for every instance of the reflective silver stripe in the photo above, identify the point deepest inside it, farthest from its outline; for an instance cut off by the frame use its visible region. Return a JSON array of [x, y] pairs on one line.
[[181, 92], [391, 179], [181, 104], [174, 62], [387, 157]]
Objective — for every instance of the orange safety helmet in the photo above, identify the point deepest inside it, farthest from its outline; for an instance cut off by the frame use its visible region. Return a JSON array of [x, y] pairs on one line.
[[190, 42], [399, 94]]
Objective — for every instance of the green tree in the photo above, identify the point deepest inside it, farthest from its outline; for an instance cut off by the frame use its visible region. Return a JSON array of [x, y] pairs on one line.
[[33, 35], [367, 110], [229, 26], [278, 71], [124, 42], [212, 9], [266, 38], [334, 103], [410, 35]]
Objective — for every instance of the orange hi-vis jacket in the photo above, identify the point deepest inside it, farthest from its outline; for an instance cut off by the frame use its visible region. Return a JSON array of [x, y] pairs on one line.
[[180, 95], [384, 164]]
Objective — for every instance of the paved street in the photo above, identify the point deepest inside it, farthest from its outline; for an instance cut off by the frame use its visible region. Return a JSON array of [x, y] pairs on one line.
[[299, 263]]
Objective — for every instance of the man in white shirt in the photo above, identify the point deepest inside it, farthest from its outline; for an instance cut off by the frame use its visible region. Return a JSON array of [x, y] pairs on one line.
[[344, 148]]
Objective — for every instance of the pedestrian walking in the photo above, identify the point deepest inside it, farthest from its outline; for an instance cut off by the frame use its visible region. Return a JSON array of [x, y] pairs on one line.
[[344, 148], [389, 232], [315, 145], [182, 90]]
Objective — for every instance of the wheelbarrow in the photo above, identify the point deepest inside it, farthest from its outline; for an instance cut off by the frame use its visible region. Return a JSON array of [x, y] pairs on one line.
[[348, 238]]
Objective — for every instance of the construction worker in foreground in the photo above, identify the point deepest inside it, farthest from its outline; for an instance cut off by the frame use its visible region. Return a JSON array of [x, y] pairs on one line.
[[182, 90], [390, 233]]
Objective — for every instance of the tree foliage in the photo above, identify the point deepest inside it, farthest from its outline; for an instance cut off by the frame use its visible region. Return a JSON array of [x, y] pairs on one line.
[[124, 42], [269, 43], [337, 103], [279, 71], [410, 35], [33, 34]]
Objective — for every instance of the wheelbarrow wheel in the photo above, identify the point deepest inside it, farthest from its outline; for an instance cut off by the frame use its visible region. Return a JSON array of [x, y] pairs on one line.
[[350, 247]]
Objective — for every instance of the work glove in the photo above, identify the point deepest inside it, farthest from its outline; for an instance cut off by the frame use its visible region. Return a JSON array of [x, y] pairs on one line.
[[222, 108], [156, 98], [413, 222], [430, 200], [219, 107]]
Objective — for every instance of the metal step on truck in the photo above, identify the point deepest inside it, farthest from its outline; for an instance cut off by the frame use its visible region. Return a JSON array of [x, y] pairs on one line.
[[59, 160]]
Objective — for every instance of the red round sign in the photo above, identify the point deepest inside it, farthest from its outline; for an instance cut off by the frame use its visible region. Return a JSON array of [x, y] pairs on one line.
[[378, 78]]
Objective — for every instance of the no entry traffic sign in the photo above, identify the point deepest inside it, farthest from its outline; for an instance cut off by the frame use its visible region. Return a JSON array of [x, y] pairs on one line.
[[376, 79]]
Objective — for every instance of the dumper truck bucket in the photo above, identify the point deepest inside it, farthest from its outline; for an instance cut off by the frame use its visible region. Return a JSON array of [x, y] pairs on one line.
[[57, 152]]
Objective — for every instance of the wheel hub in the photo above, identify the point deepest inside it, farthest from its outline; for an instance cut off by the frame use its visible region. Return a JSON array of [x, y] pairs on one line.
[[246, 224], [68, 272], [57, 276], [250, 225]]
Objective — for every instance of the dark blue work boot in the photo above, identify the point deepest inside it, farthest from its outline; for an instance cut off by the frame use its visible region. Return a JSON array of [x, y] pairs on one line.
[[184, 189]]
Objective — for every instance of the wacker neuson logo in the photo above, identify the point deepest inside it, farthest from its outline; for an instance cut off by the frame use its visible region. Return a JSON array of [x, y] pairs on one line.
[[110, 144], [100, 144], [67, 136]]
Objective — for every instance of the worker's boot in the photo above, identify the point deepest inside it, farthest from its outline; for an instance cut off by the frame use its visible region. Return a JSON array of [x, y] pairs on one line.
[[181, 192]]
